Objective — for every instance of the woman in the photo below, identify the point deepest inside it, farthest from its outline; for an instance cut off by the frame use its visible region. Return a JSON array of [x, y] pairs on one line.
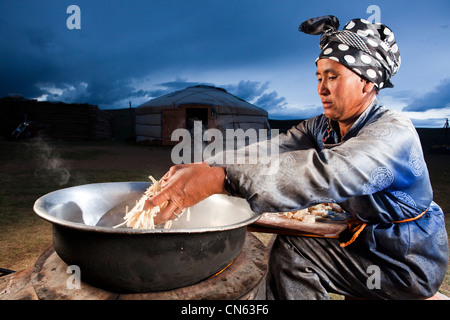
[[358, 154]]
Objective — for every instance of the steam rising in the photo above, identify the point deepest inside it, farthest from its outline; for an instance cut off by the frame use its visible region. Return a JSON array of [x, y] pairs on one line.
[[50, 165]]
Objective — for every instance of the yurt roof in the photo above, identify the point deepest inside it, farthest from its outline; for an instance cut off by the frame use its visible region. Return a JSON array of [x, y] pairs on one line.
[[201, 95]]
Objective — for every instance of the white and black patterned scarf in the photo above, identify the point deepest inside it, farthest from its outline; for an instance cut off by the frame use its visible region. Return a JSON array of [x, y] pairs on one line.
[[368, 49]]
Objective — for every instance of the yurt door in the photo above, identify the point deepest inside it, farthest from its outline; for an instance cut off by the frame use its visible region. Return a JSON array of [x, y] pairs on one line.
[[172, 119]]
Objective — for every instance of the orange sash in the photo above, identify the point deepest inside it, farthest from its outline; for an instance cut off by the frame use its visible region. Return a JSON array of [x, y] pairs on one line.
[[356, 226]]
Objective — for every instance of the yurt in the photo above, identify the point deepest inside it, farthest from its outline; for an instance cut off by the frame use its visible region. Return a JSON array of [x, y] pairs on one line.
[[214, 107]]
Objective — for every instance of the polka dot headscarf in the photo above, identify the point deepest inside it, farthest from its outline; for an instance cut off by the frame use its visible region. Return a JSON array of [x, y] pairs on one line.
[[368, 49]]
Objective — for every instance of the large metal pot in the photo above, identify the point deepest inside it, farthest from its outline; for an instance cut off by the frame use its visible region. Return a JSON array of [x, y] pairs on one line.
[[198, 244]]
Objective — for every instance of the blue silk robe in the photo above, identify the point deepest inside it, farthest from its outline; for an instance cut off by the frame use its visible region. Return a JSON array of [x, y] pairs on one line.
[[376, 172]]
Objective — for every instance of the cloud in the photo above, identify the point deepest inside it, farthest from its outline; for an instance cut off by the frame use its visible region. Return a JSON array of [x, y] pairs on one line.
[[108, 94], [247, 90], [118, 93], [271, 101], [94, 92], [171, 86], [255, 93], [439, 98]]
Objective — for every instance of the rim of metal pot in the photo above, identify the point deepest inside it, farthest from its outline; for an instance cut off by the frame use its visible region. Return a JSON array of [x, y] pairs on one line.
[[37, 207]]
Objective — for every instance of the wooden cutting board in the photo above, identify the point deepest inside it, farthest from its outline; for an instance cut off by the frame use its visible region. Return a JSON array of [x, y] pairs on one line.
[[280, 224]]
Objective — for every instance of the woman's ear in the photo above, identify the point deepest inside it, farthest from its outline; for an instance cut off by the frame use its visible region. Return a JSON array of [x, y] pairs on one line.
[[368, 87]]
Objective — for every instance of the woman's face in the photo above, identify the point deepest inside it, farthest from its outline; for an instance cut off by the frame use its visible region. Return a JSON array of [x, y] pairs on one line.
[[343, 92]]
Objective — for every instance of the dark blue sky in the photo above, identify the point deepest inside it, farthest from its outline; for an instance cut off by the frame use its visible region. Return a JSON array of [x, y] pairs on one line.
[[136, 50]]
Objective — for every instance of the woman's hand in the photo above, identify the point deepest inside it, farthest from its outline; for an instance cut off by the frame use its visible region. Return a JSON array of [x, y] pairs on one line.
[[185, 185]]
